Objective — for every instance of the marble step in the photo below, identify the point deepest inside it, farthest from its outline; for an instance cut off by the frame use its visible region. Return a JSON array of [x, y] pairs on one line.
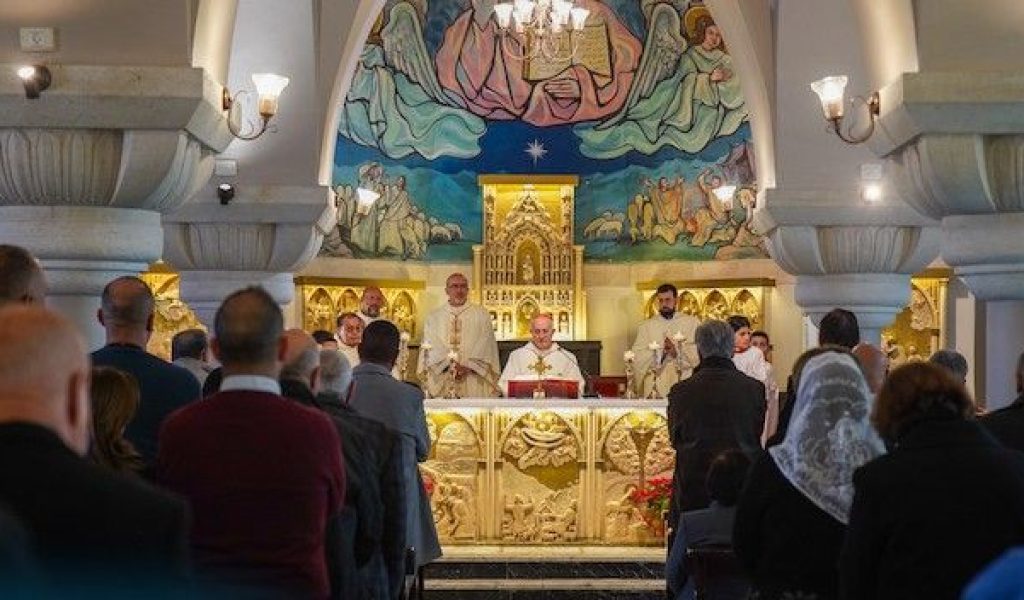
[[544, 589], [542, 569]]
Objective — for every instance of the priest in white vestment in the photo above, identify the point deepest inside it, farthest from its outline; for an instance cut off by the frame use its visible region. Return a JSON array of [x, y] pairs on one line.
[[466, 330], [370, 305], [751, 362], [350, 334], [541, 358], [658, 341]]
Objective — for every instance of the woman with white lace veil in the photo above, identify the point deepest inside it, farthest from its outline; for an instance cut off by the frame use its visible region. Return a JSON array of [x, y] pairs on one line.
[[793, 511]]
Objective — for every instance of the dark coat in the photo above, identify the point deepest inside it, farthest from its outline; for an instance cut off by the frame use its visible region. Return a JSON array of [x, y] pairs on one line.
[[717, 409], [385, 447], [928, 516], [85, 521], [784, 541], [1007, 424], [163, 389]]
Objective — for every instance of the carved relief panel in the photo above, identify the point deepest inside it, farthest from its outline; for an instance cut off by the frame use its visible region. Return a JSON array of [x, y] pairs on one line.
[[171, 314], [917, 331], [324, 298], [716, 299], [539, 463], [453, 474]]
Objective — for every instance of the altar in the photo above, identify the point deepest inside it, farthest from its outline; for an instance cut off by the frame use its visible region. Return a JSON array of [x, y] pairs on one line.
[[562, 472]]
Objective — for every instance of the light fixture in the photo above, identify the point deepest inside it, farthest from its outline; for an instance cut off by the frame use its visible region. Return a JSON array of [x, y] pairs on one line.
[[831, 91], [550, 28], [871, 175], [364, 200], [225, 192], [725, 194], [268, 89], [35, 78]]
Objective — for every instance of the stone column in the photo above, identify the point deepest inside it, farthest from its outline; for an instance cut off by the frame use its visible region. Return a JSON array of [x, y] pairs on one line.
[[955, 144], [261, 238], [848, 254], [87, 169]]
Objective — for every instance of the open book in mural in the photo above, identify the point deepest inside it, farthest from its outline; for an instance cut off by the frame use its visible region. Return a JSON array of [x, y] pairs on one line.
[[649, 115]]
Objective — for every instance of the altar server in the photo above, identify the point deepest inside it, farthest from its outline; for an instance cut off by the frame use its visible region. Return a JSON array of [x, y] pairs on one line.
[[658, 342]]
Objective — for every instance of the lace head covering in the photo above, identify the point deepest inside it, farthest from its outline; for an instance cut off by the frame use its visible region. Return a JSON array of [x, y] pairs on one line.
[[830, 434]]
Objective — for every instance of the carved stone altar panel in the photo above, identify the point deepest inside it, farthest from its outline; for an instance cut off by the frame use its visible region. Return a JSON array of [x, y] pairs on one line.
[[540, 460], [634, 448], [324, 298], [917, 331], [527, 263], [715, 299], [171, 314], [454, 473]]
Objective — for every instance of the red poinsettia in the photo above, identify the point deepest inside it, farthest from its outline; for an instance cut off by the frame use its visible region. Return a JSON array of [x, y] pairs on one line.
[[428, 484], [652, 501]]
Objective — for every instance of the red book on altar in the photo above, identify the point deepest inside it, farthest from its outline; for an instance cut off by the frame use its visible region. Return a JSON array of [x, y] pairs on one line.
[[553, 388]]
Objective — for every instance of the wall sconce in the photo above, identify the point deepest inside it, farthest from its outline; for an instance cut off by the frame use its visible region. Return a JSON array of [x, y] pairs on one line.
[[268, 88], [725, 194], [364, 200], [225, 192], [35, 78], [830, 91]]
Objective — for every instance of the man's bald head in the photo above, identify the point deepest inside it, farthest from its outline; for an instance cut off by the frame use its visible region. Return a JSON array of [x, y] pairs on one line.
[[873, 363], [248, 330], [21, 277], [372, 302], [301, 357], [42, 382], [126, 310]]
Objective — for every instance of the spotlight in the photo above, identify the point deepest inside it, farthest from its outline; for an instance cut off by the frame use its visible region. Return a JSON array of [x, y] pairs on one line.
[[35, 79], [225, 192], [871, 192]]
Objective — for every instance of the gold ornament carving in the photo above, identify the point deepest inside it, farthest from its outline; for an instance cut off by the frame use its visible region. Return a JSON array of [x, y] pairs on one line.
[[540, 439], [323, 299], [171, 315], [715, 299], [917, 331]]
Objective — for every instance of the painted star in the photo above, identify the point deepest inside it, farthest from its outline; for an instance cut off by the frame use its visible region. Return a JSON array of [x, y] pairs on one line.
[[536, 151]]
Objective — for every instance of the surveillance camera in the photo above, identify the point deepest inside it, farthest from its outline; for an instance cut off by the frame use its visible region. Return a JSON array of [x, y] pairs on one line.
[[225, 192]]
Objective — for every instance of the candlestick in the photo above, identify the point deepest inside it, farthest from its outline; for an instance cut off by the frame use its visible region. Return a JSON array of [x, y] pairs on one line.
[[629, 356], [403, 354], [453, 362], [423, 374], [654, 348]]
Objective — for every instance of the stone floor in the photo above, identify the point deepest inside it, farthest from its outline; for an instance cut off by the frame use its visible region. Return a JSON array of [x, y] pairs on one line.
[[547, 573]]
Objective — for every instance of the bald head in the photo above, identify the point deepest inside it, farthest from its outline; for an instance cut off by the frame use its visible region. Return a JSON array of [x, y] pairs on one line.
[[42, 382], [126, 311], [372, 302], [248, 330], [301, 357], [873, 363], [21, 278]]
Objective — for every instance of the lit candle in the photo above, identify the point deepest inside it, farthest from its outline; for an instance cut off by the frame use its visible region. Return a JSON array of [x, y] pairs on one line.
[[404, 336], [628, 356], [426, 346], [453, 356], [654, 346], [679, 337]]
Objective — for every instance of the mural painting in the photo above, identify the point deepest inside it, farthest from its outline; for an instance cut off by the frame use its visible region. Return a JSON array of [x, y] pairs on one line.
[[648, 114]]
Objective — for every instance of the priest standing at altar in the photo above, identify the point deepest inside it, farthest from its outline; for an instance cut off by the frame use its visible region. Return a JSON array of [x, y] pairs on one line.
[[463, 332], [658, 342], [541, 358]]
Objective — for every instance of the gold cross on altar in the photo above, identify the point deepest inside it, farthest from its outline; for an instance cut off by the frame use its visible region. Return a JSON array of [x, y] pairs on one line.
[[540, 367]]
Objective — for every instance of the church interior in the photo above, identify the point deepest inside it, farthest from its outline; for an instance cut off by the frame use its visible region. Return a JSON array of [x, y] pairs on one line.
[[569, 174]]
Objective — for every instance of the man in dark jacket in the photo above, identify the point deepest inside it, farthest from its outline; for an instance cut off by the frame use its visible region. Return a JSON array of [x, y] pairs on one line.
[[717, 409], [359, 558], [85, 524], [1007, 424]]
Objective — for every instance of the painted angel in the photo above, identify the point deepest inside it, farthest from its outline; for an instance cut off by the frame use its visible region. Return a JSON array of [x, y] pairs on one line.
[[684, 95], [396, 104]]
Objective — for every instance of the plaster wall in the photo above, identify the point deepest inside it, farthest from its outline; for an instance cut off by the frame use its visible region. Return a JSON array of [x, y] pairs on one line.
[[814, 39], [102, 32], [1004, 322], [212, 37], [953, 35]]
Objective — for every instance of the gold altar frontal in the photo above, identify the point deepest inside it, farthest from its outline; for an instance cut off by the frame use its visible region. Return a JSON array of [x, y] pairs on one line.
[[551, 472]]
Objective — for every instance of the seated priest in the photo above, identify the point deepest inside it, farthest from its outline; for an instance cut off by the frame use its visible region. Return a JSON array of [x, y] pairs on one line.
[[541, 358]]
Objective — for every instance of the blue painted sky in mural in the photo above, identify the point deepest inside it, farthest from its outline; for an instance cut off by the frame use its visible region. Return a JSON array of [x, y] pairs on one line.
[[504, 151]]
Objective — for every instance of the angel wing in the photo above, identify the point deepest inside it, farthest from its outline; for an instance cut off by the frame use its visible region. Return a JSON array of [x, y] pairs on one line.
[[662, 49], [405, 51]]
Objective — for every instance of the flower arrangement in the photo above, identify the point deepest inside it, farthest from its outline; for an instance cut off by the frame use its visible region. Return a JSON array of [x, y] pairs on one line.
[[652, 502], [428, 484]]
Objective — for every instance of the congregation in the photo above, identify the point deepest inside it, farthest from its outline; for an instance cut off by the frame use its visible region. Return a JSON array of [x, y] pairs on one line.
[[126, 475]]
